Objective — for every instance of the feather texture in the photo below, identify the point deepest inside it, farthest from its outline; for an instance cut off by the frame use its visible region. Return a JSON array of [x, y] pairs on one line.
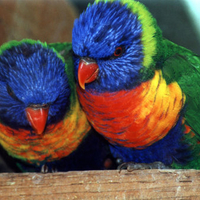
[[35, 73], [145, 98], [136, 123]]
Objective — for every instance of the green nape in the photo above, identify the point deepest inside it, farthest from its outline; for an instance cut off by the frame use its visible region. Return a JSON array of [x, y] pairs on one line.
[[14, 43], [65, 50]]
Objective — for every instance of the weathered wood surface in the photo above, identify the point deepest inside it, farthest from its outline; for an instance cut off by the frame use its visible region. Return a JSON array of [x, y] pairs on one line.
[[141, 184]]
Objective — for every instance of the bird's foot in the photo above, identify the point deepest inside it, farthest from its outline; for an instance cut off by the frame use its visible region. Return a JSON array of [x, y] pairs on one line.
[[131, 166], [46, 169]]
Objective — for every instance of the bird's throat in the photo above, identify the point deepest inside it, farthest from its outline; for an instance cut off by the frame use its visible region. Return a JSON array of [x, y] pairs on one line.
[[135, 118]]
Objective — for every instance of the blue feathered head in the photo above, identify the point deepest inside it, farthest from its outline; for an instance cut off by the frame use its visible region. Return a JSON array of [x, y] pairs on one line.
[[31, 76], [113, 36]]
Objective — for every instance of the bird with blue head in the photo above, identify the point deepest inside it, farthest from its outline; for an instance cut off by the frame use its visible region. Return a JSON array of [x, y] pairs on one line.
[[41, 121], [138, 89]]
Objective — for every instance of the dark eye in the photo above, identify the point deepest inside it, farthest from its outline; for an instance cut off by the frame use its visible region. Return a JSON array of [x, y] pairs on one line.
[[11, 93], [118, 51], [9, 90]]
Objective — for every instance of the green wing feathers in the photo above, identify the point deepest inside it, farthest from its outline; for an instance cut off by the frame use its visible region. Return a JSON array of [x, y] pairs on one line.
[[183, 66]]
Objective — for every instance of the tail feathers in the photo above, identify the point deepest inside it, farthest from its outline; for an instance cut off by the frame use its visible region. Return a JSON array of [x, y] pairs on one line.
[[188, 158]]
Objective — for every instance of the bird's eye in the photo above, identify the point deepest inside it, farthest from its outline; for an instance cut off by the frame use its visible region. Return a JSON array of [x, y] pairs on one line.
[[11, 93], [118, 51], [9, 90]]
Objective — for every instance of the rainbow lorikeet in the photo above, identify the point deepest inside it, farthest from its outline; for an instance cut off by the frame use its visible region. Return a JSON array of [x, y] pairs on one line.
[[41, 120], [138, 89]]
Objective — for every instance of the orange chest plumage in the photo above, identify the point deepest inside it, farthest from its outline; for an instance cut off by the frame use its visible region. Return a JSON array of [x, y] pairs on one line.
[[58, 140], [135, 118]]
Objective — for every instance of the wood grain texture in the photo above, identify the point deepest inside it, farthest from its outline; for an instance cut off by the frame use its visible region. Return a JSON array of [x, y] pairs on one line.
[[141, 184]]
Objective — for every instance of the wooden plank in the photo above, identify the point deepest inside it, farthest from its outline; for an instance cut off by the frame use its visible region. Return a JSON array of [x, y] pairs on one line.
[[141, 184]]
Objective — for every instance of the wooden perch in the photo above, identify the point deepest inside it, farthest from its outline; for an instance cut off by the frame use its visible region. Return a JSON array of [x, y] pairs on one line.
[[141, 184]]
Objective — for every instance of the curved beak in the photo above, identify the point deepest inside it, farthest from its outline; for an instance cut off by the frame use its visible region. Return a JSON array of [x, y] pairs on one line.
[[37, 116], [87, 71]]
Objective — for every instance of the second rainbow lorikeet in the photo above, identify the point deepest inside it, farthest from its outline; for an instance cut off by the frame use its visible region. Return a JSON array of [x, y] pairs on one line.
[[41, 120], [138, 89]]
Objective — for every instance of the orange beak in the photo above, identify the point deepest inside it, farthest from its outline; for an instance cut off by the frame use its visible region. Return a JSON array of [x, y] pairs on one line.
[[87, 71], [37, 117]]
